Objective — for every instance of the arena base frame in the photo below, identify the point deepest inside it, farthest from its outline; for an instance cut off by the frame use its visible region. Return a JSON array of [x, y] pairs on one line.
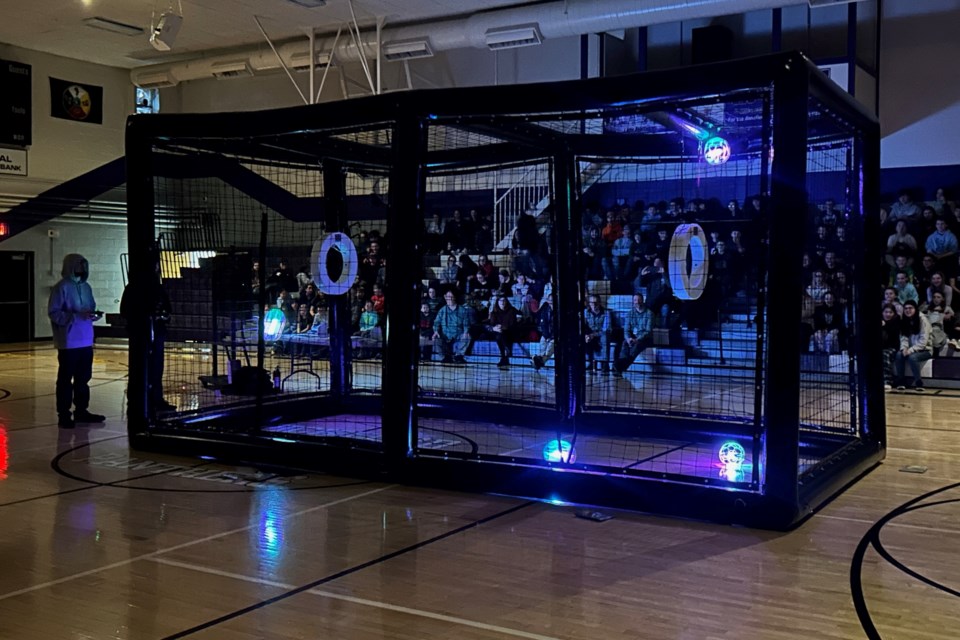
[[707, 398]]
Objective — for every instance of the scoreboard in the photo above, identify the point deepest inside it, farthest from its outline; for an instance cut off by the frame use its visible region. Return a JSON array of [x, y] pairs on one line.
[[15, 104]]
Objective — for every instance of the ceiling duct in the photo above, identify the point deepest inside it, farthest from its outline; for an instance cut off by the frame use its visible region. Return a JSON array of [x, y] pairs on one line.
[[407, 50], [158, 80], [233, 69], [558, 19], [301, 60], [512, 37]]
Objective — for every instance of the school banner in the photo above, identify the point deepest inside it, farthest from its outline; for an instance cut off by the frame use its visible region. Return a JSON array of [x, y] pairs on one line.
[[76, 101]]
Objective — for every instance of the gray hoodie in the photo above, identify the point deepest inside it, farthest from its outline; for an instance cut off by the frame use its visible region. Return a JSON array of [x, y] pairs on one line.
[[69, 300]]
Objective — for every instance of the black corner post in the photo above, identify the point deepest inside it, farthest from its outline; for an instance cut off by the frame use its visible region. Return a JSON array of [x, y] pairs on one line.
[[406, 233], [140, 233], [870, 366], [787, 223], [567, 290], [335, 221]]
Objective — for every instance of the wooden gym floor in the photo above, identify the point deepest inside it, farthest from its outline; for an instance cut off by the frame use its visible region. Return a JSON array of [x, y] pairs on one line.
[[101, 542]]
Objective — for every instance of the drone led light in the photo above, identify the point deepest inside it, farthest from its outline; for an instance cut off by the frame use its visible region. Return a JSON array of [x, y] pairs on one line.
[[273, 324], [559, 451], [716, 150], [732, 454]]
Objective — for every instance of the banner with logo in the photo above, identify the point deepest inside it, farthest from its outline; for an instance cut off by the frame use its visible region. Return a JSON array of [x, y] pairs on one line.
[[76, 101]]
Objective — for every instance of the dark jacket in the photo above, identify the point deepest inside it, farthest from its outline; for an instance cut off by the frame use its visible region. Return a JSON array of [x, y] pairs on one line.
[[70, 299]]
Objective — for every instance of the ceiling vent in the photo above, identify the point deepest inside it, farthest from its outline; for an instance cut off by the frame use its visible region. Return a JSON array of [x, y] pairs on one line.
[[231, 69], [159, 80], [407, 50], [113, 26], [301, 60], [525, 35]]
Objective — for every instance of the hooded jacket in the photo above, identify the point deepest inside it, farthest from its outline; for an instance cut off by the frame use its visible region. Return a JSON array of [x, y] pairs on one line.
[[69, 299]]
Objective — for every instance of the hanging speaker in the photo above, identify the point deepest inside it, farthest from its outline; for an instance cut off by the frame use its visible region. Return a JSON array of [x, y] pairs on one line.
[[166, 31]]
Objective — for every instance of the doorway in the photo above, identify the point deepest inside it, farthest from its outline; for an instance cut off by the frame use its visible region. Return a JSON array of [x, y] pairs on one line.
[[16, 296]]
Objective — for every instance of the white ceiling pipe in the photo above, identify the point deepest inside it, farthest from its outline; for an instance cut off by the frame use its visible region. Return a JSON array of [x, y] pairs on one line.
[[555, 20]]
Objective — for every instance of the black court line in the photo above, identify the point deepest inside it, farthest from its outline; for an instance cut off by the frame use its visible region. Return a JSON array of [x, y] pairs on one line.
[[49, 395], [657, 455], [343, 573], [872, 538], [5, 393]]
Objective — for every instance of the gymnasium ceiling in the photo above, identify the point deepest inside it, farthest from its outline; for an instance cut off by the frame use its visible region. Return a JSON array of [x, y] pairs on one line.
[[211, 26]]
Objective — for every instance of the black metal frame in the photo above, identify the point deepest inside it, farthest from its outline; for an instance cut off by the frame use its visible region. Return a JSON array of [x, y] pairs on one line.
[[774, 497]]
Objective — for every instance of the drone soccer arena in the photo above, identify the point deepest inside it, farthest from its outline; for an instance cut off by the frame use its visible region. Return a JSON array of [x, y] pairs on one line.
[[587, 291]]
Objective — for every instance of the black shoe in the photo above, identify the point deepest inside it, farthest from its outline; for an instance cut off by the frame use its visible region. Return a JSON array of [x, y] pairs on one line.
[[504, 362], [537, 363], [447, 360], [86, 416], [163, 405], [65, 422], [459, 360]]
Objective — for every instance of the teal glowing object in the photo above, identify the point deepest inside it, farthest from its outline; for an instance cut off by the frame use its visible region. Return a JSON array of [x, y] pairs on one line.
[[732, 454], [273, 324], [716, 150], [559, 451]]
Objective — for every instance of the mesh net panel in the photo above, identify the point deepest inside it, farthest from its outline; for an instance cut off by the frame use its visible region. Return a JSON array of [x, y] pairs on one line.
[[828, 384]]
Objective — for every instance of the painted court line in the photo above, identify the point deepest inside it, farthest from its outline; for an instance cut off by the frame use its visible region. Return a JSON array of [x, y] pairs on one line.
[[145, 556], [903, 525], [361, 601]]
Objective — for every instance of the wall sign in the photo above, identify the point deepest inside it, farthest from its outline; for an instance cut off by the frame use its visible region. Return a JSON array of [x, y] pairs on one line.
[[13, 162], [16, 110]]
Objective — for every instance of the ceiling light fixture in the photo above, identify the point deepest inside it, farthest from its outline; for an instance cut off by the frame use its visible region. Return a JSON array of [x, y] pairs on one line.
[[407, 50], [525, 35], [113, 26]]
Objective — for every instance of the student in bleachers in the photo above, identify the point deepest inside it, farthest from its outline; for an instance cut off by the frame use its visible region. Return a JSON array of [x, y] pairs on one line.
[[889, 342], [453, 231], [304, 319], [939, 202], [807, 310], [448, 275], [620, 253], [905, 290], [828, 325], [659, 295], [637, 335], [938, 284], [900, 265], [434, 232], [597, 259], [596, 333], [481, 286], [900, 243], [483, 240], [426, 332], [942, 244], [940, 315], [433, 300], [545, 329], [890, 297], [904, 209], [915, 346], [486, 267], [451, 330], [927, 223], [466, 271], [502, 325], [612, 230]]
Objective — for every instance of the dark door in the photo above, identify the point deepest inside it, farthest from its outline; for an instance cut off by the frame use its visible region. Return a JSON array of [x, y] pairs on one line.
[[16, 296]]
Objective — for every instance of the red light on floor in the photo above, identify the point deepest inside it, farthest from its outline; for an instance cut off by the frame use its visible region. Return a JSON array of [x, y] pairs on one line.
[[4, 229], [4, 457]]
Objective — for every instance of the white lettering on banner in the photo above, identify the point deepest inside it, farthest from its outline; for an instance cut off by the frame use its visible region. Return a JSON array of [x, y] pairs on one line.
[[13, 162], [688, 283], [122, 461], [348, 251]]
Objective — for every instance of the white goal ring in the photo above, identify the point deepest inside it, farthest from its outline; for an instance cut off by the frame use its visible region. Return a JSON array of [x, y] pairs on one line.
[[344, 245], [688, 285]]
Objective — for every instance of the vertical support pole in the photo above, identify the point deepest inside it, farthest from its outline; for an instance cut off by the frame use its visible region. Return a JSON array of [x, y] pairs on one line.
[[140, 233], [642, 48], [568, 305], [406, 232], [787, 222], [869, 365], [335, 210], [584, 56], [776, 30], [852, 49], [261, 345]]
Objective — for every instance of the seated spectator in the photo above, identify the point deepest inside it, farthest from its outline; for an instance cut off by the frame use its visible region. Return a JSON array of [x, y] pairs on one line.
[[466, 271], [545, 329], [841, 288], [451, 330], [940, 315], [915, 346], [486, 267], [620, 253], [453, 231], [830, 266], [481, 286], [434, 231], [433, 300], [505, 286], [285, 303], [426, 332], [939, 285], [807, 310], [819, 287], [939, 201], [806, 269], [612, 230], [890, 297], [821, 244], [596, 333], [448, 275], [378, 300], [922, 272], [828, 325], [637, 335], [904, 209], [651, 220], [900, 243], [829, 216], [900, 265], [840, 245], [942, 244], [659, 295], [483, 238], [597, 263], [502, 324], [905, 290], [927, 223], [304, 319], [733, 210], [370, 336], [521, 287], [889, 342]]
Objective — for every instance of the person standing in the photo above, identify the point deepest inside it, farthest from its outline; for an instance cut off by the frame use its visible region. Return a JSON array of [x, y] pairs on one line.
[[72, 311]]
